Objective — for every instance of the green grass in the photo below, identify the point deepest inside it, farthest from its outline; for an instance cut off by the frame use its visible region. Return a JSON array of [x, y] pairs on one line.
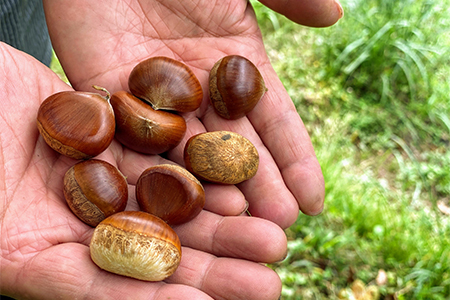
[[374, 95], [56, 67], [369, 224]]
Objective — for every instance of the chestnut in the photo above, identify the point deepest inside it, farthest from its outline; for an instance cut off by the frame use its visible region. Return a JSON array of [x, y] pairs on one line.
[[166, 84], [221, 157], [143, 129], [76, 124], [94, 189], [171, 193], [136, 244], [235, 86]]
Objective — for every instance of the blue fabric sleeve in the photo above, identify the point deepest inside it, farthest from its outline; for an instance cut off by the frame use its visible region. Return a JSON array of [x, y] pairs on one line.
[[23, 26]]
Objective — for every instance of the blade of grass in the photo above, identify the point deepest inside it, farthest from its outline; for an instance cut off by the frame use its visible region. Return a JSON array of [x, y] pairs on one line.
[[348, 50], [445, 119], [407, 50], [365, 53], [409, 77]]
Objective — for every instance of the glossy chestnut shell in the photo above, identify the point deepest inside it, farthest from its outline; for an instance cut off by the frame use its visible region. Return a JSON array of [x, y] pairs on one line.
[[166, 84], [136, 244], [235, 86], [171, 193], [95, 189], [143, 129], [79, 125], [221, 157]]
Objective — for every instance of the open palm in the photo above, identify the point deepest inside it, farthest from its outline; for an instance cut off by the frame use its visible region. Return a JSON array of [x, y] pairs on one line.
[[100, 42], [44, 247]]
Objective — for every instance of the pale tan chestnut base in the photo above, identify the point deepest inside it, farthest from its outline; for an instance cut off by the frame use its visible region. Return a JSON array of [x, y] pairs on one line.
[[84, 209], [132, 254], [60, 147]]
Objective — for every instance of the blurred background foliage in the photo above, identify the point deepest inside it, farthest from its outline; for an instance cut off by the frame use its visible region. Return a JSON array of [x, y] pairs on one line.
[[374, 95]]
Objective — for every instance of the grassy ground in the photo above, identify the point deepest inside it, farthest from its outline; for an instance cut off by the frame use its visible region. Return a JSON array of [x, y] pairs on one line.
[[374, 94]]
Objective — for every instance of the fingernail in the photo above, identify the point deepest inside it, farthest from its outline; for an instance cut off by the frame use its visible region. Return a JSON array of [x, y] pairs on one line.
[[317, 211], [341, 10], [245, 210], [284, 257]]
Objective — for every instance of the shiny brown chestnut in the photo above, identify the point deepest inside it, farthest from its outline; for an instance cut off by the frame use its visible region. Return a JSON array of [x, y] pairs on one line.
[[235, 86], [166, 84], [94, 189], [221, 157], [76, 124], [143, 129], [136, 244], [171, 193]]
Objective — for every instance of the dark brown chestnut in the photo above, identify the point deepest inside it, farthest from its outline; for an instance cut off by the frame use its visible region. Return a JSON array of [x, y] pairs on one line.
[[79, 125], [166, 84], [136, 244], [235, 86], [94, 190], [171, 193], [221, 157], [143, 129]]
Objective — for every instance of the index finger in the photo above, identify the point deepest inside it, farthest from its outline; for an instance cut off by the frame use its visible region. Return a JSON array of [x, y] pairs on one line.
[[281, 129], [317, 13], [289, 175]]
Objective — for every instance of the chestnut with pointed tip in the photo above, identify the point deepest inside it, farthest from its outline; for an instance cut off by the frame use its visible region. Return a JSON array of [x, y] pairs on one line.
[[171, 193], [235, 86], [166, 84], [95, 189], [143, 129], [136, 244], [221, 157], [76, 124]]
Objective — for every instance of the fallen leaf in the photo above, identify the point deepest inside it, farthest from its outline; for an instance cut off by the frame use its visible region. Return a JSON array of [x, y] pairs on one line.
[[359, 288], [444, 208], [381, 277]]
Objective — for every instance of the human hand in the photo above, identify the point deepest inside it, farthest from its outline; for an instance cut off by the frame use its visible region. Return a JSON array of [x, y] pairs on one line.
[[100, 42], [44, 248]]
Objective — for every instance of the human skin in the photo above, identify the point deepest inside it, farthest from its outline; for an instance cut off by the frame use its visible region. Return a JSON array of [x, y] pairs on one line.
[[100, 42], [44, 247]]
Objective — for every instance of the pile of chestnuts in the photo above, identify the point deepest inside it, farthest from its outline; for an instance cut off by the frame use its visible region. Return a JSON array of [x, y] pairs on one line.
[[81, 125]]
